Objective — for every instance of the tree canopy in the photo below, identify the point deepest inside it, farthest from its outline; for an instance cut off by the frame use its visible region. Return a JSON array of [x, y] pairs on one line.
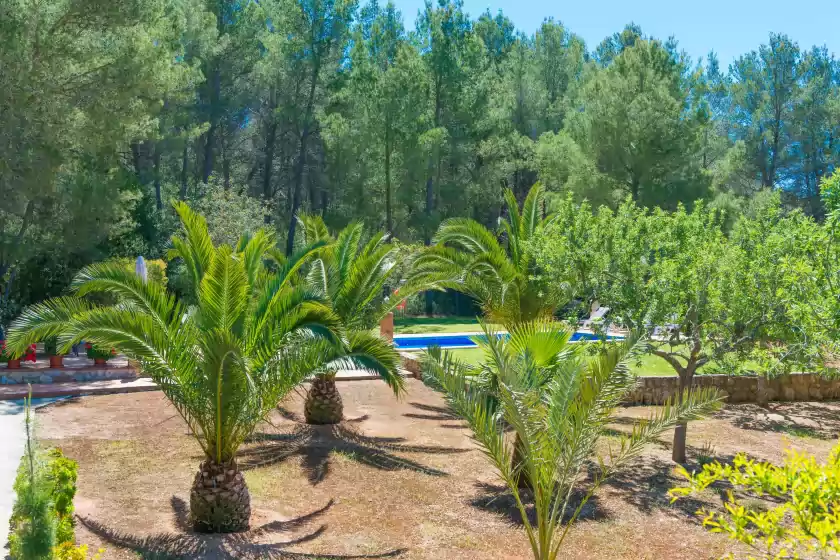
[[339, 109]]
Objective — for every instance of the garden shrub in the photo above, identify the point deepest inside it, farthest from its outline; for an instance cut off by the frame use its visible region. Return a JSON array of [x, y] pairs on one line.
[[779, 511], [62, 474], [69, 551], [42, 516]]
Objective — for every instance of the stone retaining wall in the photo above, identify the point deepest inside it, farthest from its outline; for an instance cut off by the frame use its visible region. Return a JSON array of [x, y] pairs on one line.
[[62, 375], [742, 388]]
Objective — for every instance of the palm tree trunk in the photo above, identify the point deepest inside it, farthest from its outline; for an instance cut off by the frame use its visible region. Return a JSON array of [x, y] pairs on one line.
[[219, 500], [515, 460], [323, 401]]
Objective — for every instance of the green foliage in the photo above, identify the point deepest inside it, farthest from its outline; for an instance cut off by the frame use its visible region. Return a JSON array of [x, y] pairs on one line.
[[503, 278], [830, 192], [62, 472], [97, 351], [42, 516], [558, 403], [253, 335], [800, 499], [255, 114], [69, 551]]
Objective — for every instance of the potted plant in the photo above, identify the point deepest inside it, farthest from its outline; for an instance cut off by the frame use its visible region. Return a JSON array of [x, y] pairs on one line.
[[14, 363], [51, 349], [6, 358], [99, 354]]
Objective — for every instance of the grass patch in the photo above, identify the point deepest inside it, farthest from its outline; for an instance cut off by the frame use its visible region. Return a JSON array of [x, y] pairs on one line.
[[650, 365], [423, 325]]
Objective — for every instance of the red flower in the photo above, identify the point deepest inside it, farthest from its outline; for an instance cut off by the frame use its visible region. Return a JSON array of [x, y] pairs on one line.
[[88, 345]]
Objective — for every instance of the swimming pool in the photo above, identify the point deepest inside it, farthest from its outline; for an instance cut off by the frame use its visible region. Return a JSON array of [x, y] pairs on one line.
[[419, 342]]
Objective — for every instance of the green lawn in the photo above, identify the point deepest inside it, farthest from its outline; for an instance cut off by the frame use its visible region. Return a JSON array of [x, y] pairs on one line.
[[651, 365], [422, 325]]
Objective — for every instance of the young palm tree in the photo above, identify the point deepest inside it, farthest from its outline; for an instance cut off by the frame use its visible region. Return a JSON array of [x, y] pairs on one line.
[[503, 277], [352, 274], [223, 363], [558, 403]]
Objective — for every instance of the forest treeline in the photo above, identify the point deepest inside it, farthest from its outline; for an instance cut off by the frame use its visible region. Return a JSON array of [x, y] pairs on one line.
[[257, 111]]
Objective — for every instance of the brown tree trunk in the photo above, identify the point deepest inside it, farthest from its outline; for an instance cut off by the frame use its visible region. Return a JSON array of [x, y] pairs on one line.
[[301, 161], [219, 499], [389, 221], [323, 401], [158, 196], [185, 164], [678, 449]]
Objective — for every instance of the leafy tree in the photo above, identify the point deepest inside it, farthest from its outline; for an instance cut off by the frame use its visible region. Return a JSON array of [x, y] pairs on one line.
[[765, 85], [80, 80], [558, 403], [708, 300], [223, 364], [798, 515], [632, 124], [502, 276]]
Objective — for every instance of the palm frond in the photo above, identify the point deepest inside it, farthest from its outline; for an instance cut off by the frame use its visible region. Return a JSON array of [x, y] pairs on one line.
[[254, 251], [43, 320], [196, 248], [223, 295], [370, 353], [128, 288]]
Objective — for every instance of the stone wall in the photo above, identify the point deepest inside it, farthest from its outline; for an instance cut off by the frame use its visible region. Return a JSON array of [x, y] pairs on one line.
[[411, 364], [63, 375], [742, 388]]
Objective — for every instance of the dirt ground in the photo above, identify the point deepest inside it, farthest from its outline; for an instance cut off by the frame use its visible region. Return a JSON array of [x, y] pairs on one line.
[[397, 479]]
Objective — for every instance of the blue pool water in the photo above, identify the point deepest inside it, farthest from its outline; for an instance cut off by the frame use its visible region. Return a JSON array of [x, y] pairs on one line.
[[462, 340]]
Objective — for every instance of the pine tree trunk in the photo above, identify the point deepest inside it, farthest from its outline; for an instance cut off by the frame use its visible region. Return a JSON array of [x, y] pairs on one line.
[[323, 401], [219, 500]]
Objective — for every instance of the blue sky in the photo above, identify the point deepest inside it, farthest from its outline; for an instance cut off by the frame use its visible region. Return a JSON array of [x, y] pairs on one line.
[[730, 27]]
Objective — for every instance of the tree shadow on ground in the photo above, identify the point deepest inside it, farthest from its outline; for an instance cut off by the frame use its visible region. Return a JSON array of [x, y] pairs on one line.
[[646, 483], [436, 413], [187, 544], [798, 419], [316, 444], [498, 499]]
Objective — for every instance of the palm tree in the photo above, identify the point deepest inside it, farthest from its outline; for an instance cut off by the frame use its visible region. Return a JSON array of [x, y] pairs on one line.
[[224, 363], [352, 274], [558, 403], [502, 276]]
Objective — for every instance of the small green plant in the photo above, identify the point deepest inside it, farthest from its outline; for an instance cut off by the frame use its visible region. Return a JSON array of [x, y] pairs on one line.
[[69, 551], [803, 520], [558, 403], [62, 474], [43, 512], [95, 352], [33, 522], [706, 454], [51, 346]]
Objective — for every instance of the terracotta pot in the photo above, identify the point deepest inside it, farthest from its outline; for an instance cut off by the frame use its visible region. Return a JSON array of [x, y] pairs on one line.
[[56, 361], [14, 364], [100, 361]]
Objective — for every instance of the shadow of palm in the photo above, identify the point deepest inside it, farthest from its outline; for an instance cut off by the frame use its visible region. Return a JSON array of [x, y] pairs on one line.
[[189, 545], [316, 444]]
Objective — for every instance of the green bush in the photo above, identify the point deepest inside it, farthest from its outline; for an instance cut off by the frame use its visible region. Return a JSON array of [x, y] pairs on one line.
[[51, 346], [42, 516], [778, 511], [95, 351], [33, 523], [62, 474]]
